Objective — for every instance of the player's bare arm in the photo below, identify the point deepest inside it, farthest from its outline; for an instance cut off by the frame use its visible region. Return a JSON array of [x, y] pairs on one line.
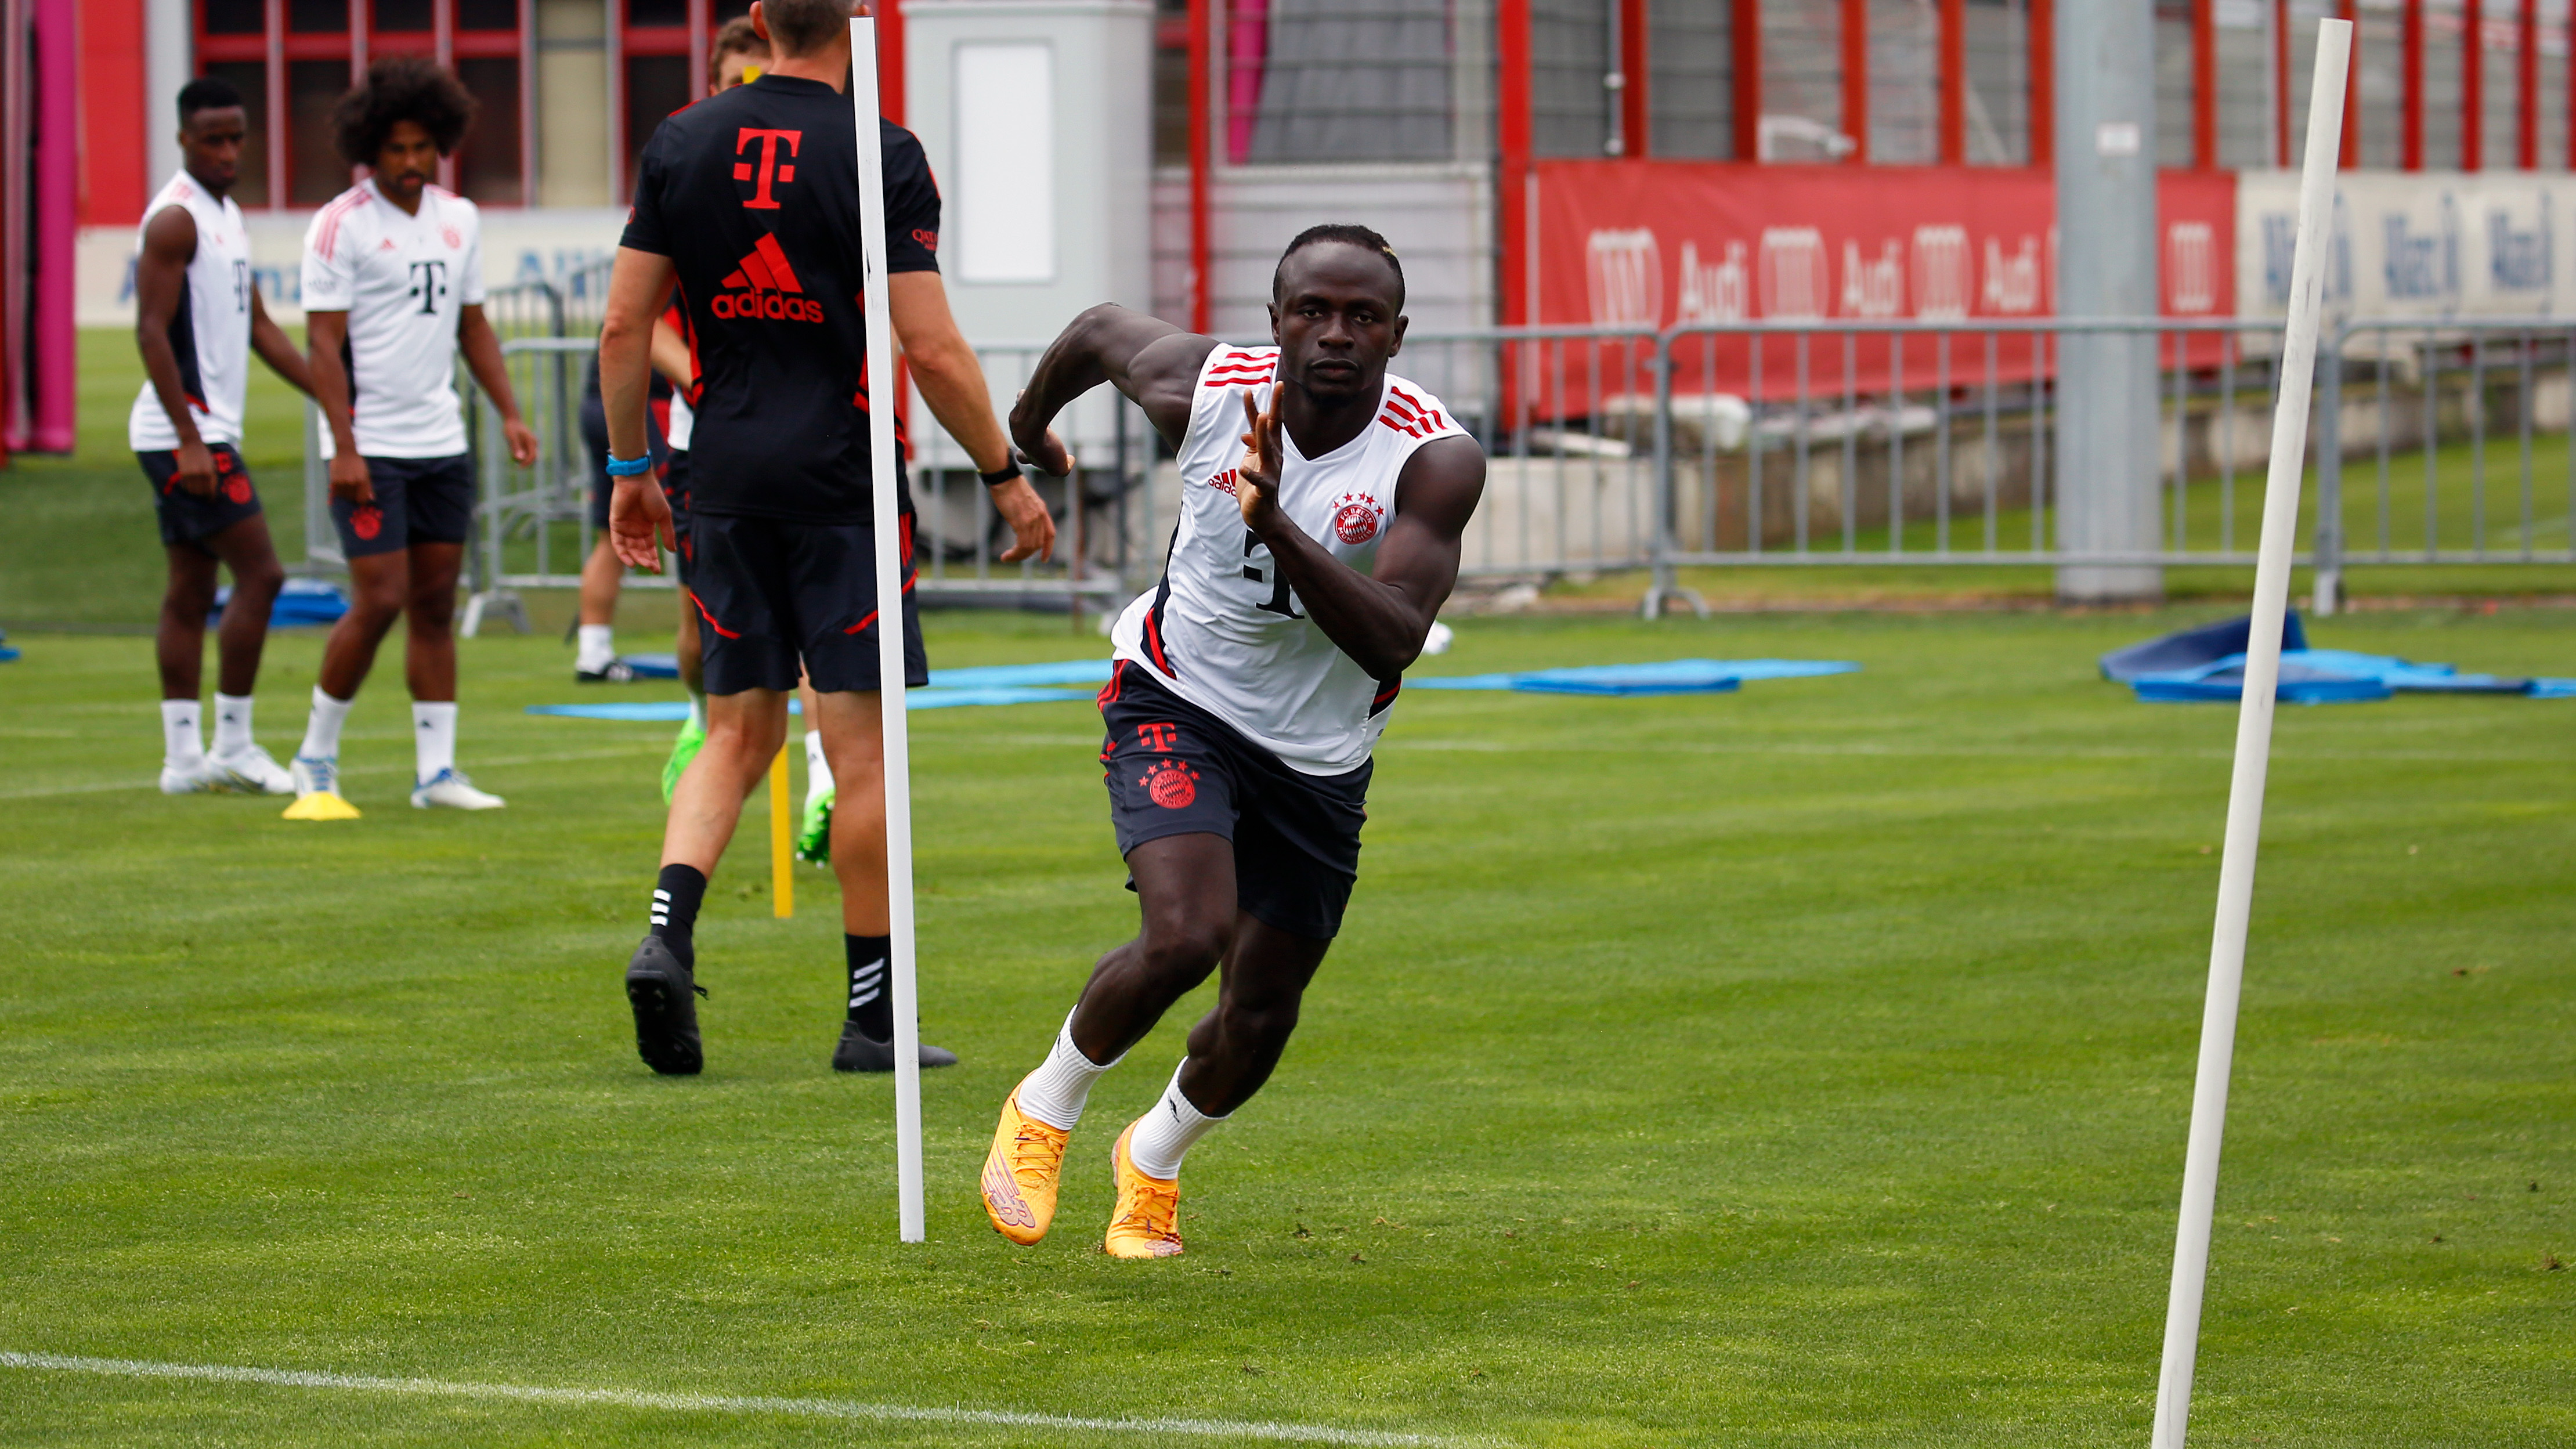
[[482, 349], [951, 380], [276, 348], [160, 276], [325, 335], [671, 355], [639, 519], [1379, 620], [1153, 362]]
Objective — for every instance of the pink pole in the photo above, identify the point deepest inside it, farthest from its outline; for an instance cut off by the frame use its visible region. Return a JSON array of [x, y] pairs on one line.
[[55, 201]]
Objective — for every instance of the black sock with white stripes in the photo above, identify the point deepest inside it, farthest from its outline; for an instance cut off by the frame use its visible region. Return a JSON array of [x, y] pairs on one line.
[[675, 910], [871, 1003]]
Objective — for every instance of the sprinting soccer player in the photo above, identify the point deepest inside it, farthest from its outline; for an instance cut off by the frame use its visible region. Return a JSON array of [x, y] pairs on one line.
[[1322, 503], [198, 317], [738, 54], [393, 290], [750, 201]]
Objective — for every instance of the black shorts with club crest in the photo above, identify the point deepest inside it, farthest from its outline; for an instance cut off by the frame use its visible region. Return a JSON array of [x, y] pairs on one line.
[[189, 519], [770, 592], [417, 500], [1172, 768]]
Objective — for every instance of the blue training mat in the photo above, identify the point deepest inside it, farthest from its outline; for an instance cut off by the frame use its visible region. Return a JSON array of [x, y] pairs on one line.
[[1674, 676], [653, 666], [672, 711], [2208, 665], [303, 602]]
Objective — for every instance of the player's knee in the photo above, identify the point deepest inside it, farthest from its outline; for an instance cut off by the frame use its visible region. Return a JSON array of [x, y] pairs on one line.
[[189, 598], [259, 581], [1257, 1026], [377, 600], [1185, 946], [432, 611]]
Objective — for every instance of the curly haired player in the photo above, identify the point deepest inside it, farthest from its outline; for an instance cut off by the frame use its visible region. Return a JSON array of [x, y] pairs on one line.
[[393, 290], [1322, 504]]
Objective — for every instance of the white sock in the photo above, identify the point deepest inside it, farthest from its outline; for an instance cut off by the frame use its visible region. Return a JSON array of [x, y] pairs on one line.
[[598, 646], [182, 748], [818, 770], [1055, 1092], [698, 710], [433, 735], [322, 727], [232, 723], [1165, 1134]]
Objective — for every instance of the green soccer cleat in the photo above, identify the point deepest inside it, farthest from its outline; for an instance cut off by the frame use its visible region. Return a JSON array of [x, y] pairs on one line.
[[814, 830], [683, 749]]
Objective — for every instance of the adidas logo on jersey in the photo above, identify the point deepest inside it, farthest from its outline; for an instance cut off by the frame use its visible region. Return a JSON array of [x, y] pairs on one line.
[[770, 288]]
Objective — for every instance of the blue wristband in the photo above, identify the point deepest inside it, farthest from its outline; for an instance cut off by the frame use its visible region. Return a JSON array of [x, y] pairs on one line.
[[629, 467]]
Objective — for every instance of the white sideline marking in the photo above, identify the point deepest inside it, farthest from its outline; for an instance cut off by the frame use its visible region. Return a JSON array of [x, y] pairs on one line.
[[710, 1403], [499, 762]]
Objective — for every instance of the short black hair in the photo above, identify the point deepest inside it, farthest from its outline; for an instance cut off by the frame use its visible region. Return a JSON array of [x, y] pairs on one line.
[[801, 27], [206, 93], [1348, 234], [402, 88]]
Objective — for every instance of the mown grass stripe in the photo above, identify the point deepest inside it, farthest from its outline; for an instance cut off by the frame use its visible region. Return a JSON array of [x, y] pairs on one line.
[[714, 1403]]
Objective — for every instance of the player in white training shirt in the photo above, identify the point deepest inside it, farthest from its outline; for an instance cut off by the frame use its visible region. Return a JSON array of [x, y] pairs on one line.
[[1322, 503], [393, 290], [198, 318]]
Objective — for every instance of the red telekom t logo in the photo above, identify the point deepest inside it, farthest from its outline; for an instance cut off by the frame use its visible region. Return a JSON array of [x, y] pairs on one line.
[[761, 200], [1157, 736]]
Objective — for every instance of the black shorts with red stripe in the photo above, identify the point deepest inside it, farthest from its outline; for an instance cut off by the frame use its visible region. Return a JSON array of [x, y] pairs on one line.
[[189, 520], [770, 594], [1172, 768]]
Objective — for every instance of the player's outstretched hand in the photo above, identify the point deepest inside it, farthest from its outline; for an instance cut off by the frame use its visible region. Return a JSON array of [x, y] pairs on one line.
[[523, 442], [349, 477], [1257, 476], [639, 523], [1032, 527]]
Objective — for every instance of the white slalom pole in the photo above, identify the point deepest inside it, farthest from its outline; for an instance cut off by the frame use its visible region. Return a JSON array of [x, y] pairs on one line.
[[898, 745], [2253, 736]]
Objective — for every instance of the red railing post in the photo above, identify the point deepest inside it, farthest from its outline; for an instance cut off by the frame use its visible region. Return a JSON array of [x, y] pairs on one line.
[[1201, 79], [2526, 77], [2410, 107], [1954, 82], [2043, 83], [1856, 80], [1747, 37], [2473, 86], [2204, 85]]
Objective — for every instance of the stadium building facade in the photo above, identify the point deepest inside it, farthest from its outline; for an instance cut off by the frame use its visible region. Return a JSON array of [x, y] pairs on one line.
[[1566, 161]]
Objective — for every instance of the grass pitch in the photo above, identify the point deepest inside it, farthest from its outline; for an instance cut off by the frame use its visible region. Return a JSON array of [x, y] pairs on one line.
[[1807, 1066]]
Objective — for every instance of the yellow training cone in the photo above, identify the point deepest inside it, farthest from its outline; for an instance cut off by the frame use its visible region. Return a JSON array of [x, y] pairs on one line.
[[321, 805]]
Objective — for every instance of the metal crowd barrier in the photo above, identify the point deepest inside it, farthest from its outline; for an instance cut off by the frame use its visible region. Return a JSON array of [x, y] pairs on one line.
[[1817, 443]]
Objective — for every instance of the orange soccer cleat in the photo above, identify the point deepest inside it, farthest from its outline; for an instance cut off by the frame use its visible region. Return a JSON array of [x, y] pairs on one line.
[[1147, 1222], [1021, 1173]]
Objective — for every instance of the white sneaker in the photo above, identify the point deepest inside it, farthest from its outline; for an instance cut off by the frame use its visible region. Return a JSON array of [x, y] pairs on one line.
[[317, 791], [253, 772], [203, 778], [310, 776], [452, 790]]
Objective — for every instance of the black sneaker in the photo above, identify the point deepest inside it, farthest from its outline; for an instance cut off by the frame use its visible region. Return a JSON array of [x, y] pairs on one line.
[[859, 1052], [665, 997], [617, 672]]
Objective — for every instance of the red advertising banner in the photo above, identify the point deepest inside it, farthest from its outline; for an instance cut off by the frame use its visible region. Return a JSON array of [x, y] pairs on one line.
[[1653, 243]]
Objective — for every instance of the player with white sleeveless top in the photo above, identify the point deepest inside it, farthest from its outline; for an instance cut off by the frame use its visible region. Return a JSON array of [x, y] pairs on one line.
[[393, 295], [198, 318], [1322, 503]]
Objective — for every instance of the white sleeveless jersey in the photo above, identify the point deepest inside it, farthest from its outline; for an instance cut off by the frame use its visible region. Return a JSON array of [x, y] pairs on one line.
[[210, 331], [1223, 630]]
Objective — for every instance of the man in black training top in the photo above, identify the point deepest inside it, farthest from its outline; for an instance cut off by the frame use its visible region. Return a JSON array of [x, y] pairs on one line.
[[750, 201]]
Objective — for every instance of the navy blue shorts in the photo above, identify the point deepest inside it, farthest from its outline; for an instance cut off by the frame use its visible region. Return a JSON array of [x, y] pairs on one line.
[[191, 520], [770, 593], [418, 500], [1172, 768]]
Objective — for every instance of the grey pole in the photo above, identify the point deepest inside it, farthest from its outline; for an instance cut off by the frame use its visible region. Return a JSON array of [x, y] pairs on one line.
[[2106, 228]]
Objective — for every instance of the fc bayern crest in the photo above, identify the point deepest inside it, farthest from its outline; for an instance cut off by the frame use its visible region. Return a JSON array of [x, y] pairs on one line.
[[1171, 784], [1355, 518], [451, 236]]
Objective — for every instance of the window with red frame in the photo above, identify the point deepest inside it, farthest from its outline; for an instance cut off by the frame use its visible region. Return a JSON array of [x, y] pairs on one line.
[[293, 78]]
